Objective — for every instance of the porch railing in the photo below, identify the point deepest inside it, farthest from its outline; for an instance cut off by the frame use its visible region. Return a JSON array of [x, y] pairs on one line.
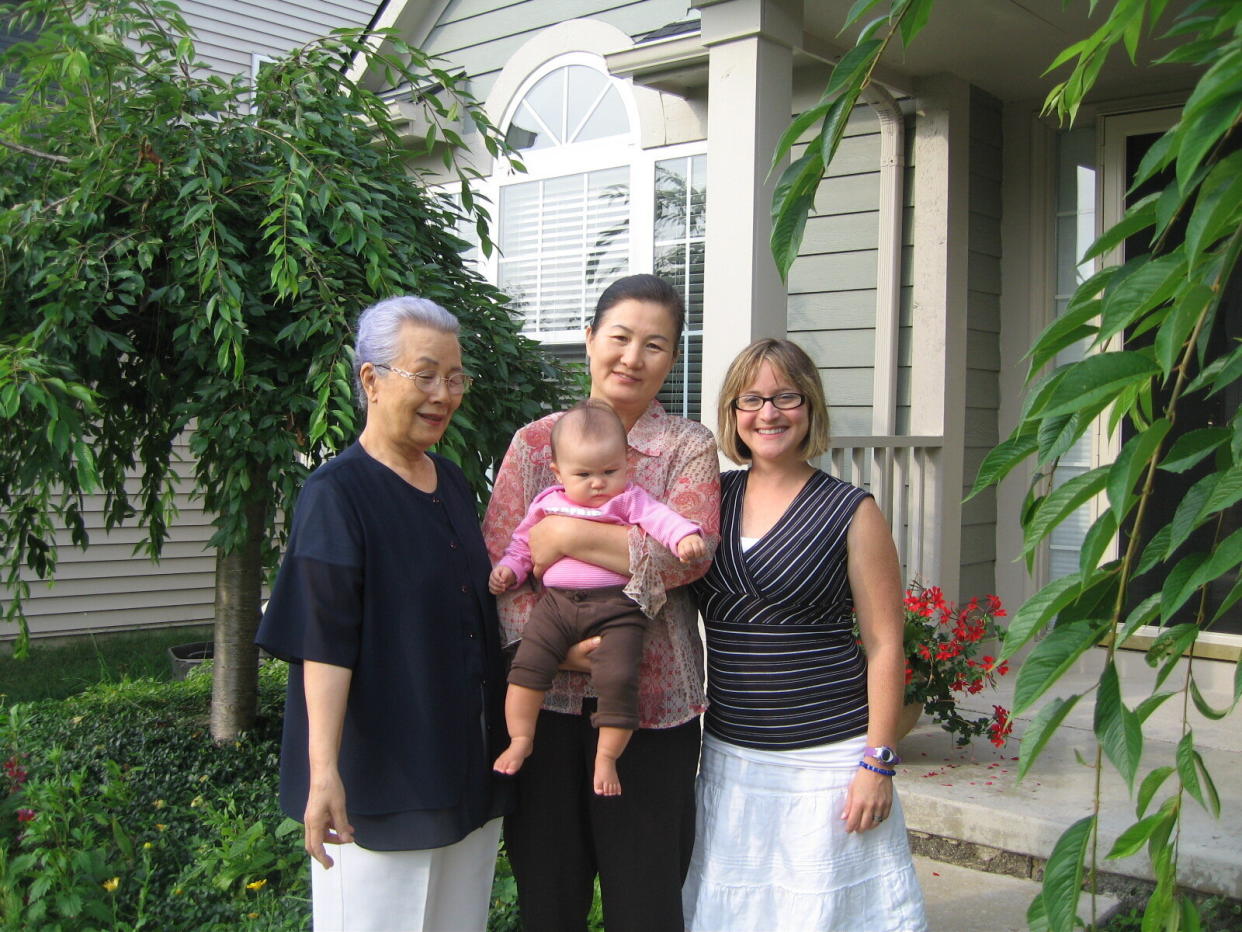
[[903, 475]]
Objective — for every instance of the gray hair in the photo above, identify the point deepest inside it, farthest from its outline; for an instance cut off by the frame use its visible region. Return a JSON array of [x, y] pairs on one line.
[[379, 330]]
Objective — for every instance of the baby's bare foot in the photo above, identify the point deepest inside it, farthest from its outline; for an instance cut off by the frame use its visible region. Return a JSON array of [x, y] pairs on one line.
[[607, 783], [514, 756]]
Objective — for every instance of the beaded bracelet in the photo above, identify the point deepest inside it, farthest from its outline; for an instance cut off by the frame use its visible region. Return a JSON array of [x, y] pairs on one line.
[[881, 770]]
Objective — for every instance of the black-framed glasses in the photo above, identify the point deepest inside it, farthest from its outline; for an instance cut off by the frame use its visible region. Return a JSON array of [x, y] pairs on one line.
[[457, 384], [783, 401]]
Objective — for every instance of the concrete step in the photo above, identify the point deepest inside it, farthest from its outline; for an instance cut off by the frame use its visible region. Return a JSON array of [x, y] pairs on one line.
[[966, 805], [960, 899]]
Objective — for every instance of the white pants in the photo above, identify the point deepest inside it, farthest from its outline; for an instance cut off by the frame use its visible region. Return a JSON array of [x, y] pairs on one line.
[[433, 890]]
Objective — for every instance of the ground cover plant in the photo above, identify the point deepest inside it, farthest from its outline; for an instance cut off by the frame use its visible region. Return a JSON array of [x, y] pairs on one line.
[[117, 811]]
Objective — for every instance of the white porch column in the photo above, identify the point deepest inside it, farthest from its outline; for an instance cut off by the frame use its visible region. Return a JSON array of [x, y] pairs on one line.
[[750, 77], [941, 256]]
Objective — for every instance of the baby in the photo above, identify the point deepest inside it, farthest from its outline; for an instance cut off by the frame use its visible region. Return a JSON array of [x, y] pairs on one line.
[[583, 600]]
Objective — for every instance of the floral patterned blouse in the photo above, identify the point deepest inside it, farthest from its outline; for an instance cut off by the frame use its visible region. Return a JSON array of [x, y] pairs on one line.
[[674, 459]]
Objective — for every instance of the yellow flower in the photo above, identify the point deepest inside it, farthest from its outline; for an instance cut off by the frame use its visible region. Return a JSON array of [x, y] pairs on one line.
[[179, 891], [147, 845], [160, 827], [203, 778], [252, 915], [257, 885], [160, 804], [196, 802], [111, 885], [77, 719]]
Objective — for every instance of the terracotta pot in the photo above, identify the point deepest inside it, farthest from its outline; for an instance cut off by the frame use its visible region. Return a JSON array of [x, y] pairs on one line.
[[909, 717]]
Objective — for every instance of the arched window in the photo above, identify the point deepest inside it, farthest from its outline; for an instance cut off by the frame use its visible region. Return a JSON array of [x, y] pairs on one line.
[[593, 205]]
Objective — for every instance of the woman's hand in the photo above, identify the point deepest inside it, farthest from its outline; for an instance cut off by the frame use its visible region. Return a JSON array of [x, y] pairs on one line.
[[557, 536], [576, 658], [547, 542], [868, 801], [325, 819]]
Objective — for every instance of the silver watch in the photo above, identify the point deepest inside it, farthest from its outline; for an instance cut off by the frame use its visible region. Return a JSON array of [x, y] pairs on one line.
[[884, 754]]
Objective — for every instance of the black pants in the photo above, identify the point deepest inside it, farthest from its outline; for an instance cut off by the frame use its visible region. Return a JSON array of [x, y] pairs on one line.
[[639, 842]]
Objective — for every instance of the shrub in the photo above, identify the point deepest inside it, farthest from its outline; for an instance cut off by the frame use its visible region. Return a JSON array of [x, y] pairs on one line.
[[120, 812]]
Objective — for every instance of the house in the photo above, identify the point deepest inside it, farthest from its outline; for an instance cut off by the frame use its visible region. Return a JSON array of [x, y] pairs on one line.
[[946, 235], [110, 585]]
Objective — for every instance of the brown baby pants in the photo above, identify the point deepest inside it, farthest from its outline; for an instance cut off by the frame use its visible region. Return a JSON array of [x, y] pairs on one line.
[[562, 618]]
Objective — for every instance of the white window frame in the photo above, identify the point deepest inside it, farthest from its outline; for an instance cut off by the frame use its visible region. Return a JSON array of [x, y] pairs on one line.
[[1113, 132], [594, 155]]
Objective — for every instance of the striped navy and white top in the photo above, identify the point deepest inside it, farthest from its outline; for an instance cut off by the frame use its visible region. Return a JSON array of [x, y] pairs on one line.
[[784, 670]]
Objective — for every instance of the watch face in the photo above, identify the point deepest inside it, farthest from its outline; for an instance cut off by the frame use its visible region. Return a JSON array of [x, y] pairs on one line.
[[884, 755]]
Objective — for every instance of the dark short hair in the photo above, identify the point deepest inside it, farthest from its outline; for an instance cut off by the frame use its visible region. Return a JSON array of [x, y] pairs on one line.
[[789, 359], [590, 419], [643, 287]]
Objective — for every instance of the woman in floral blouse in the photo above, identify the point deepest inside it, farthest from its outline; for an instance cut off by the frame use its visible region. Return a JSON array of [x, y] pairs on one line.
[[639, 843]]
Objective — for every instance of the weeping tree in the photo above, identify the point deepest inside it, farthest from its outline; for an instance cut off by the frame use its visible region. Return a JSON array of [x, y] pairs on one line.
[[1157, 328], [185, 254]]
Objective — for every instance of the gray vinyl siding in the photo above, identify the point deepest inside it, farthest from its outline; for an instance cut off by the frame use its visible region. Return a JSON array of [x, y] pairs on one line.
[[228, 32], [832, 285], [108, 586], [479, 36], [982, 340]]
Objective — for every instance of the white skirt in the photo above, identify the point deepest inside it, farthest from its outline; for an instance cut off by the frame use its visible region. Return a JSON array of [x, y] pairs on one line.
[[771, 851]]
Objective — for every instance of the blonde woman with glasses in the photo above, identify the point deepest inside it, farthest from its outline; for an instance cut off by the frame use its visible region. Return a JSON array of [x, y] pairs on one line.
[[798, 826]]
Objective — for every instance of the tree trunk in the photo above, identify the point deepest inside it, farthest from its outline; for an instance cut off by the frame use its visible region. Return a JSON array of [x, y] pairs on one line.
[[239, 582]]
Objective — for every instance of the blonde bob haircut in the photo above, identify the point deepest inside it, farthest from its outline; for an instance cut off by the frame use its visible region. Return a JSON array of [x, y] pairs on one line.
[[789, 360]]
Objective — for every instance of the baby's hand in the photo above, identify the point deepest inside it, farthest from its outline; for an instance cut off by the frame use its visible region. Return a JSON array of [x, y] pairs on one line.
[[691, 548], [501, 579]]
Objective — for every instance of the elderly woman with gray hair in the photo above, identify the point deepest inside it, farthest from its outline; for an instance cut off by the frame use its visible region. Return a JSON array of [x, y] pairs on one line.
[[396, 690]]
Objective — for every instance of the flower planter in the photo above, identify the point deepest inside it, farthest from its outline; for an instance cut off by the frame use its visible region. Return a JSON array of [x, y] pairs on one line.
[[908, 718], [185, 657]]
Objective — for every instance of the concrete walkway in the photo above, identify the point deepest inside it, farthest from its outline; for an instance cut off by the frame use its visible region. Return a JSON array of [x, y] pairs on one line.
[[963, 900], [966, 804]]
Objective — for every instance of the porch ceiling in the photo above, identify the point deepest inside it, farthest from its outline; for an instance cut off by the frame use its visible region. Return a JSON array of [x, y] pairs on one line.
[[1003, 46]]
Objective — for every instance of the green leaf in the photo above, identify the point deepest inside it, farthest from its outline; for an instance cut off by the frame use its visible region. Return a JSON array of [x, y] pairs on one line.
[[913, 19], [1194, 775], [1116, 727], [1037, 914], [1142, 284], [790, 137], [1063, 875], [1142, 614], [852, 65], [1037, 611], [1173, 333], [1190, 511], [1202, 705], [1147, 789], [1131, 841], [791, 201], [1098, 377], [856, 12], [1035, 736], [1202, 133], [1226, 492], [1131, 463], [1001, 460], [1216, 212], [1138, 217], [1052, 657], [1155, 550], [1061, 502]]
